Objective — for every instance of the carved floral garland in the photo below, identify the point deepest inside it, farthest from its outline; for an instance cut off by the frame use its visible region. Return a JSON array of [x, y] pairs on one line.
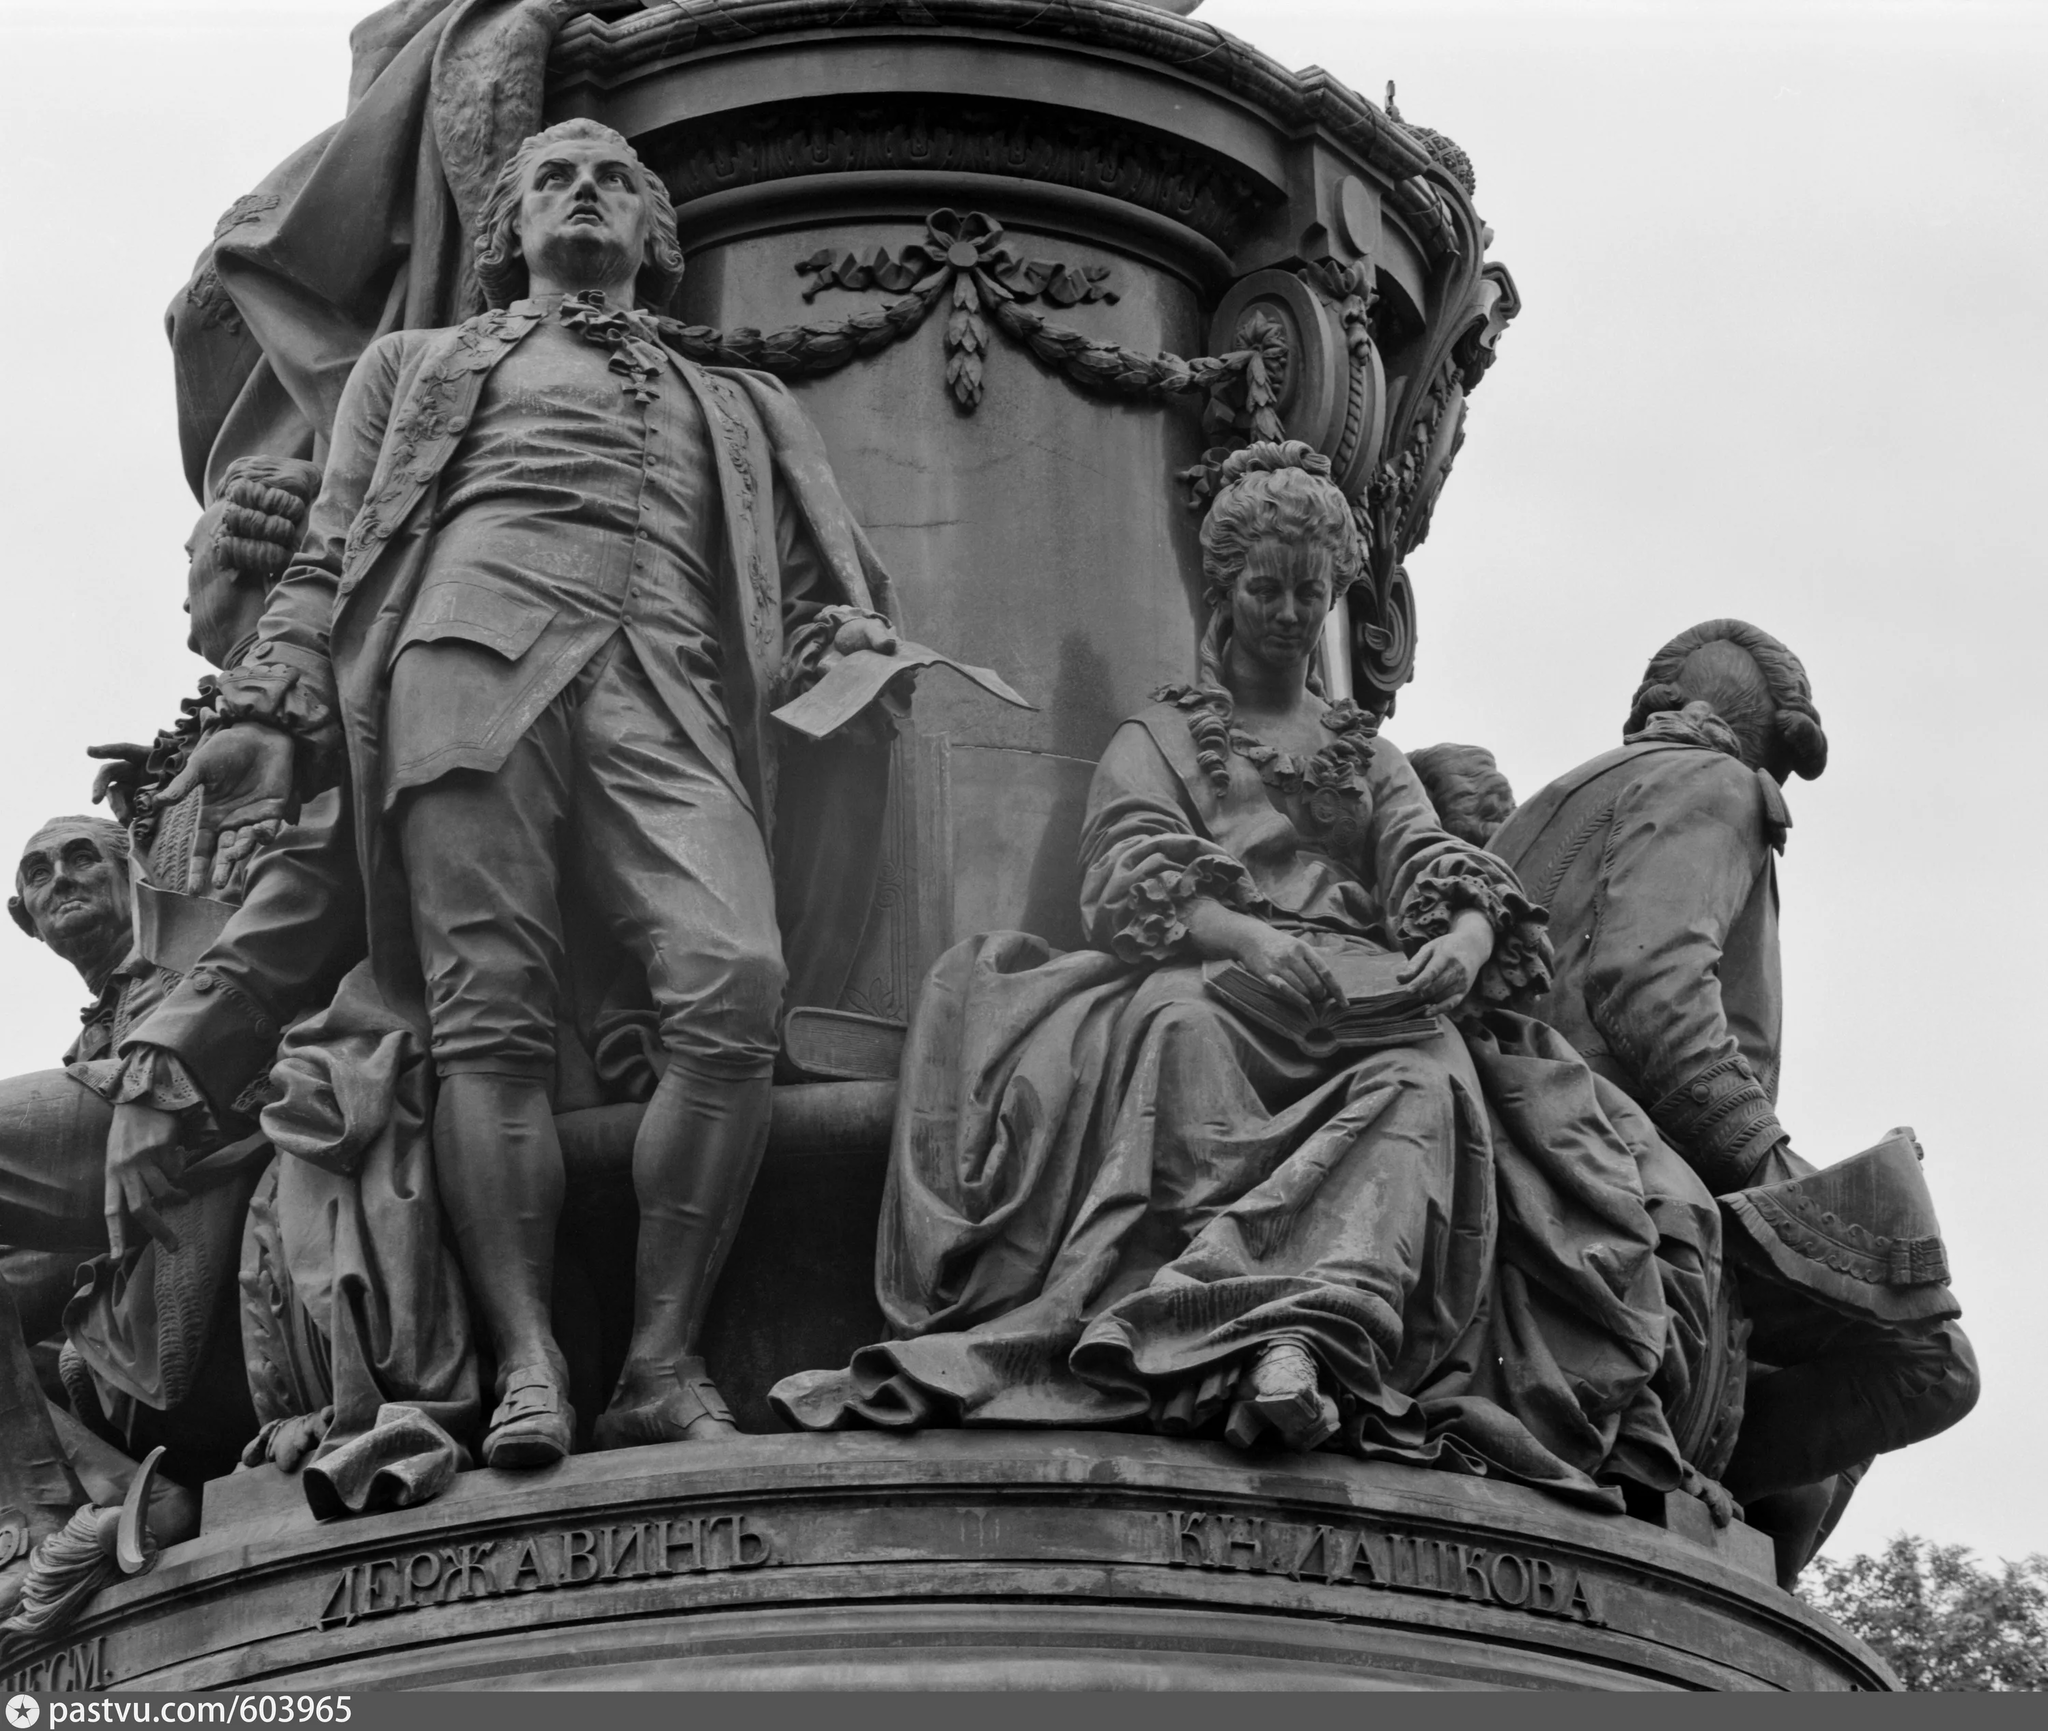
[[963, 260]]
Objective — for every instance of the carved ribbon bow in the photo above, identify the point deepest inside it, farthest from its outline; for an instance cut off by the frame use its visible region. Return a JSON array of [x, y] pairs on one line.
[[965, 252]]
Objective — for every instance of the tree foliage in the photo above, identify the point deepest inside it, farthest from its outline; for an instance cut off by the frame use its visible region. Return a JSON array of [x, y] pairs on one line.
[[1939, 1618]]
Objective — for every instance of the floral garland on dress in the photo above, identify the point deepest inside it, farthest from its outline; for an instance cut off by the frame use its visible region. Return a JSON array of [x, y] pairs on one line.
[[1327, 788]]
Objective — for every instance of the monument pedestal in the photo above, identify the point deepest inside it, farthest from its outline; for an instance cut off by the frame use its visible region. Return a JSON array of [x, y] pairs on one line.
[[953, 1559]]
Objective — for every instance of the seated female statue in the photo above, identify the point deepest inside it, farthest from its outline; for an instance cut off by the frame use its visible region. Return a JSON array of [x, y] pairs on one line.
[[1114, 1200]]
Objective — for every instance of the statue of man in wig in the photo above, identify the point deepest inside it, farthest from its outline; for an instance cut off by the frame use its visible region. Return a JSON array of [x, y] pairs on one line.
[[1657, 863], [555, 580]]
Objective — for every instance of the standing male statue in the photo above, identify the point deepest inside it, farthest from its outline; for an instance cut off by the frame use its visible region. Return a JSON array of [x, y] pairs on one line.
[[1656, 862], [554, 581]]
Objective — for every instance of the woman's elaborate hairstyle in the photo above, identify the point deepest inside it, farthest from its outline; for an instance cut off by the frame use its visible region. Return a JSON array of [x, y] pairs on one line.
[[1750, 680], [501, 267], [1271, 491], [1279, 492]]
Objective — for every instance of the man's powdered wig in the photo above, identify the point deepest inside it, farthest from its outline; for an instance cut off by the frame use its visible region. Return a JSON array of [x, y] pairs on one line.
[[1749, 679], [1279, 492], [113, 840], [263, 504], [501, 267]]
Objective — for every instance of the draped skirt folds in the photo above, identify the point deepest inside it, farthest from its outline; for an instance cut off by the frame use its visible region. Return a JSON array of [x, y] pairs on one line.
[[1106, 1193]]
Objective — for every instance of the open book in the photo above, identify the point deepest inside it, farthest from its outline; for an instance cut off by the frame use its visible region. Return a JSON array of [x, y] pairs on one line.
[[1376, 1010]]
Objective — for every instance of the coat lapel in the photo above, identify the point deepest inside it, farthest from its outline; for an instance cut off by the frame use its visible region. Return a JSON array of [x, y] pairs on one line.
[[753, 646], [382, 563], [426, 425]]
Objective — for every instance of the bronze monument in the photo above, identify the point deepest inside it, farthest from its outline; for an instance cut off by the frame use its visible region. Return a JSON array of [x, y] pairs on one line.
[[615, 1141]]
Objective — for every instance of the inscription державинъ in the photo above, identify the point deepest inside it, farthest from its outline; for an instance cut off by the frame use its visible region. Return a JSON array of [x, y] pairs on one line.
[[538, 1562], [1403, 1562]]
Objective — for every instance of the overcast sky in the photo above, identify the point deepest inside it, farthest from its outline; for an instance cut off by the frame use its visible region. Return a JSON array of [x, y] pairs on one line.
[[1781, 357]]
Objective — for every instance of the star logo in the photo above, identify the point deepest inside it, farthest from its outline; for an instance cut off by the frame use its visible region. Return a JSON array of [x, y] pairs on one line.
[[23, 1711]]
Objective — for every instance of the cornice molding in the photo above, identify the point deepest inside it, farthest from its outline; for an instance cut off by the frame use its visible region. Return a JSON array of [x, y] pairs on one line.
[[1297, 102]]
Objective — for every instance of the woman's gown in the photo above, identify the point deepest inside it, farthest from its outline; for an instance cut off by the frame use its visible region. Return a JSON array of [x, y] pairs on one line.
[[1107, 1191]]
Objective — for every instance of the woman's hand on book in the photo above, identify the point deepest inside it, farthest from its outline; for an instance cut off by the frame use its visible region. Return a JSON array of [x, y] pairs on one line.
[[1278, 959], [1443, 971]]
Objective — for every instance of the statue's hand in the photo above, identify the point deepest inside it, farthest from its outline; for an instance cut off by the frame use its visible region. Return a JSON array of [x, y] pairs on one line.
[[878, 722], [1720, 1505], [246, 772], [861, 633], [121, 769], [1443, 972], [287, 1443], [143, 1169], [1282, 960]]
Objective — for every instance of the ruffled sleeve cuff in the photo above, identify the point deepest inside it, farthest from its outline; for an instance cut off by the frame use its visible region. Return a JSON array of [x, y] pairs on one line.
[[1520, 966], [149, 1076], [804, 648], [1141, 912], [281, 687], [278, 685]]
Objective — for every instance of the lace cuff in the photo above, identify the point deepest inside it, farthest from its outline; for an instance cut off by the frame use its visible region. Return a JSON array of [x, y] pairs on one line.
[[278, 686], [806, 646], [150, 1076], [1144, 907], [281, 687], [1519, 968]]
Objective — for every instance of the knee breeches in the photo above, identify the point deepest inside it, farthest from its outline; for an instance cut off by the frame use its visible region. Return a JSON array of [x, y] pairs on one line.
[[609, 786]]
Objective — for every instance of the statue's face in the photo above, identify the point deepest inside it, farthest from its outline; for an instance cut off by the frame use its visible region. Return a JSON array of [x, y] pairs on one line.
[[224, 609], [1280, 601], [583, 221], [74, 892]]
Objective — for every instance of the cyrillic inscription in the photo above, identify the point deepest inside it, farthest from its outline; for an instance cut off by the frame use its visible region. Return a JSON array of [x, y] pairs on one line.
[[71, 1672], [541, 1562], [1369, 1557]]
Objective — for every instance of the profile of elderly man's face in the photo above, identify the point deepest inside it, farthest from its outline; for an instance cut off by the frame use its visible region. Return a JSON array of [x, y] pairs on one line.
[[71, 890]]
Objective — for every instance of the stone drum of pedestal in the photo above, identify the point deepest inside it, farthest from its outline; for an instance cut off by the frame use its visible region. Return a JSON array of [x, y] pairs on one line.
[[1058, 1559]]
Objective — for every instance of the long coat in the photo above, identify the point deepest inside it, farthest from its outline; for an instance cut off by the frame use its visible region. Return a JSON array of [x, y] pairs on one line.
[[1656, 863], [336, 619]]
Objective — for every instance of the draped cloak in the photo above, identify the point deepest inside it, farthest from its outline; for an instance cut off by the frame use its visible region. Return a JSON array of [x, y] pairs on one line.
[[362, 230]]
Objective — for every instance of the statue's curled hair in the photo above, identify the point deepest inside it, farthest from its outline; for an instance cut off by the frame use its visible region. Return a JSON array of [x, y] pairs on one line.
[[501, 266], [1749, 679], [1279, 492], [263, 503]]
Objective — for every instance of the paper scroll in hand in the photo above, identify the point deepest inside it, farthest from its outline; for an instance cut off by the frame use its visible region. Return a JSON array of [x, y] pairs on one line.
[[855, 681]]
